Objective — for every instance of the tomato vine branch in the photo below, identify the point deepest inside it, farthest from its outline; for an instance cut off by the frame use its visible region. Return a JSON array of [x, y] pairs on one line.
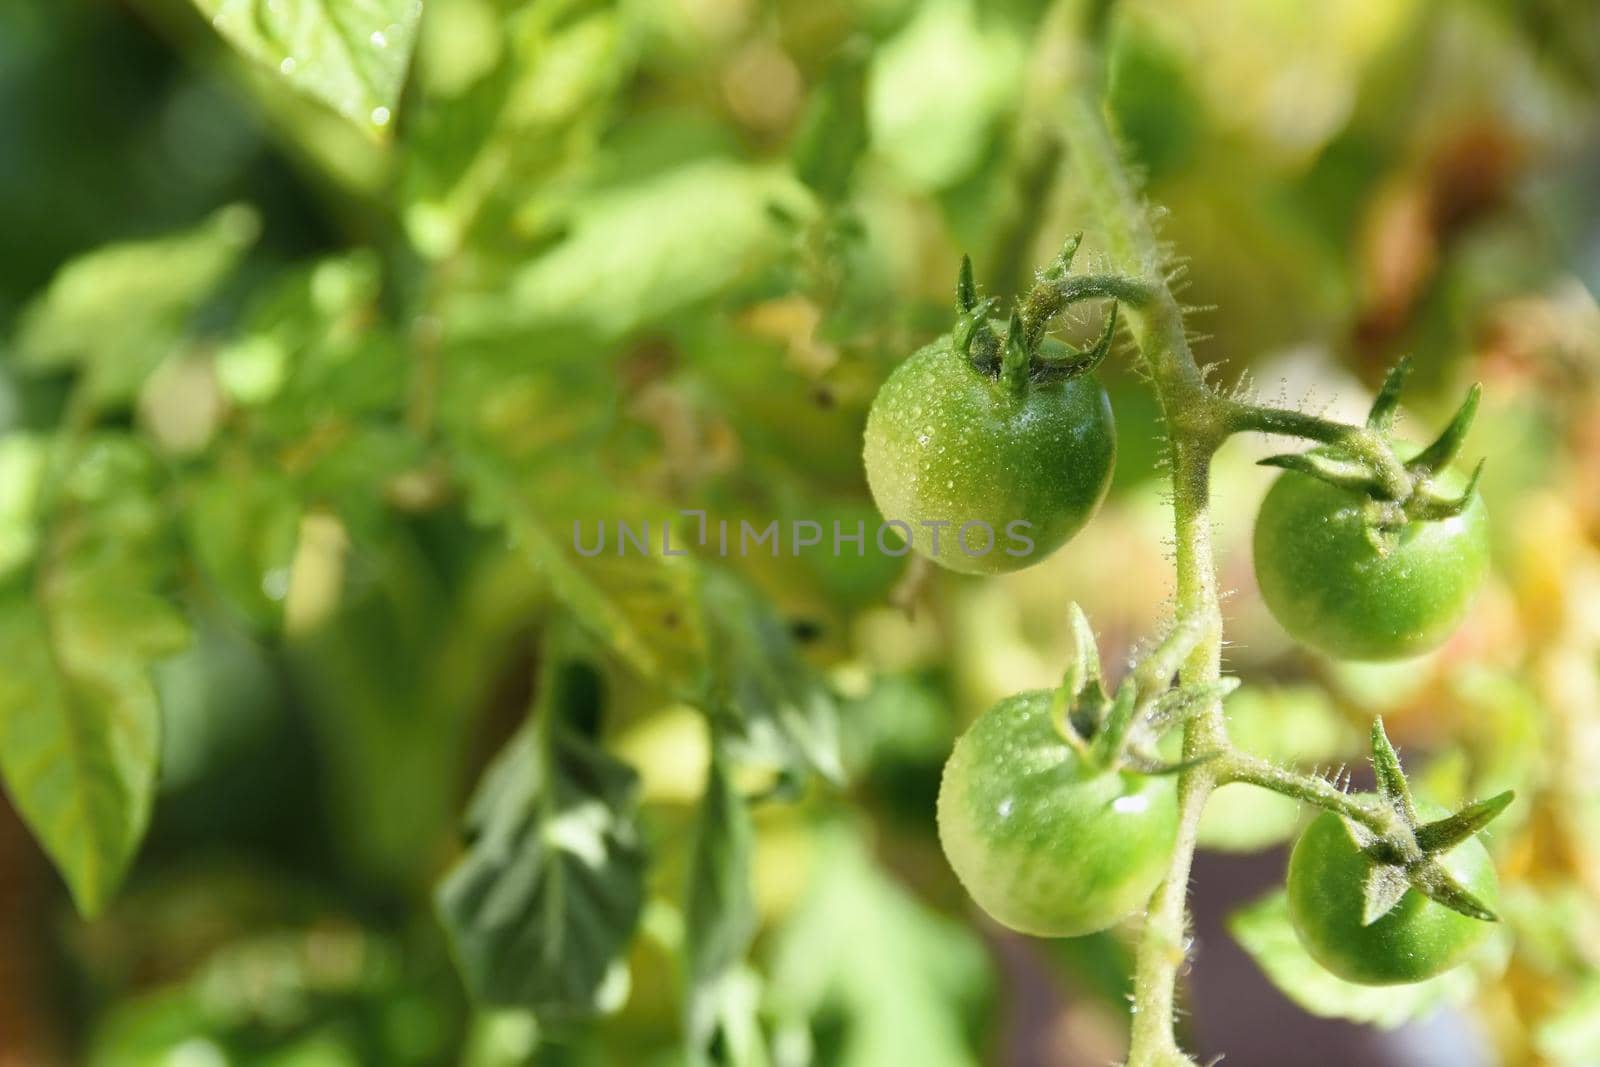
[[1065, 84]]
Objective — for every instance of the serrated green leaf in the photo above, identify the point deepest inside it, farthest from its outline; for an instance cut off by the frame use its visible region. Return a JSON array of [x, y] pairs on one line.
[[117, 312], [641, 253], [775, 707], [79, 718], [833, 131], [533, 448], [902, 977], [934, 130], [1264, 929], [541, 909], [505, 104], [350, 54], [639, 606]]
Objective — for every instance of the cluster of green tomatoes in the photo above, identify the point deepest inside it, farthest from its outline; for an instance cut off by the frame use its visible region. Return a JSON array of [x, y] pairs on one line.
[[1053, 810]]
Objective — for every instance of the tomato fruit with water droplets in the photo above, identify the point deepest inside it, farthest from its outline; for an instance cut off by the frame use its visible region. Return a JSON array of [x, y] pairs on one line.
[[1044, 841], [1415, 941], [1331, 589], [1012, 474]]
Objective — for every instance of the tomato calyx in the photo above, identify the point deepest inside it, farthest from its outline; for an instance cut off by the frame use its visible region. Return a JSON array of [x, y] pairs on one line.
[[1018, 358], [1117, 732], [1406, 854], [1398, 492]]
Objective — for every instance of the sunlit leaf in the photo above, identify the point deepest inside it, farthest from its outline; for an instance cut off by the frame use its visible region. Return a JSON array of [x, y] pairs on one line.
[[937, 89], [508, 102], [1264, 929], [118, 311], [534, 442], [775, 707], [22, 469], [350, 54], [639, 253], [860, 948], [541, 908], [79, 719]]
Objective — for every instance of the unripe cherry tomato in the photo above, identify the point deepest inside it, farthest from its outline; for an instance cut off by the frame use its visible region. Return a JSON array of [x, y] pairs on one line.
[[948, 444], [1046, 843], [1331, 589], [1416, 941]]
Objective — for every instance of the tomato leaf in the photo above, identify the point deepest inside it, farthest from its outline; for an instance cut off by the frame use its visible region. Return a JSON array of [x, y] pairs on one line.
[[902, 977], [934, 133], [117, 312], [541, 909], [719, 913], [1265, 932], [23, 459], [641, 253], [773, 704], [350, 54], [79, 717]]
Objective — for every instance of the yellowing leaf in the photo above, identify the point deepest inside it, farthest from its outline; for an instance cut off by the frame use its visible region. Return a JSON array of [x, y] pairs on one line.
[[79, 720]]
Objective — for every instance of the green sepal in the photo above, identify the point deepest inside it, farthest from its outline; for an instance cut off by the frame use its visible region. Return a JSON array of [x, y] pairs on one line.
[[966, 288], [1406, 855], [1080, 701], [1112, 738], [1395, 500], [1447, 445], [1326, 466], [1015, 359], [1444, 834], [1426, 506], [1384, 406], [1392, 785], [1386, 884], [1062, 264], [1176, 707], [972, 329], [1146, 762], [1078, 363], [1437, 884]]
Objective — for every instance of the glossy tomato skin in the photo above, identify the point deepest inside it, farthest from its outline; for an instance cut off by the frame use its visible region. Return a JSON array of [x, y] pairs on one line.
[[946, 443], [1416, 941], [1046, 844], [1327, 585]]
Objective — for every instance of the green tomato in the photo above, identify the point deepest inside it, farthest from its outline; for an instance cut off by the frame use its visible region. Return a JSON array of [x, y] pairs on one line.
[[986, 480], [1044, 842], [1413, 942], [1327, 585]]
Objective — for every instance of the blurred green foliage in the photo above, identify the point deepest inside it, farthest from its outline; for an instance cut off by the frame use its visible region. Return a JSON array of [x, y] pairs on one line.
[[322, 323]]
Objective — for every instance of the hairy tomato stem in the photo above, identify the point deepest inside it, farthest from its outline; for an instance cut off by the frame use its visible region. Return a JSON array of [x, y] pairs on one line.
[[1360, 440], [1064, 84], [1309, 788], [1067, 75]]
